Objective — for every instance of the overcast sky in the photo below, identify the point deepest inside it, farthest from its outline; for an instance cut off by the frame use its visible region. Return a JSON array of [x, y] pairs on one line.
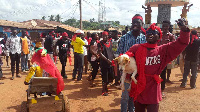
[[116, 10]]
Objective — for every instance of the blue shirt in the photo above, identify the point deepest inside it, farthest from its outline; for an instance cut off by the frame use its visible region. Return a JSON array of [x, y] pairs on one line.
[[128, 41]]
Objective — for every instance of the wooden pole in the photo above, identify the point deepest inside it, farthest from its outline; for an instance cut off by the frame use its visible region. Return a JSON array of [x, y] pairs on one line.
[[80, 15]]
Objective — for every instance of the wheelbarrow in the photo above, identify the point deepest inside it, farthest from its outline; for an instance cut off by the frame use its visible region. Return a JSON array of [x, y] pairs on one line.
[[41, 96]]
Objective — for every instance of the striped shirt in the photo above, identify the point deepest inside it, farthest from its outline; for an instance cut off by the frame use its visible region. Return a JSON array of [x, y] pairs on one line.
[[128, 41]]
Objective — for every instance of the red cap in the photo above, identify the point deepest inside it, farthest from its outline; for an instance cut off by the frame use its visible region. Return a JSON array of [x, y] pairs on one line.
[[105, 33], [64, 34], [27, 33]]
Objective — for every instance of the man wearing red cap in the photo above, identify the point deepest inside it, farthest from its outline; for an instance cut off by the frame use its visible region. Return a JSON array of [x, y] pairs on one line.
[[135, 36], [64, 49], [151, 60], [106, 56]]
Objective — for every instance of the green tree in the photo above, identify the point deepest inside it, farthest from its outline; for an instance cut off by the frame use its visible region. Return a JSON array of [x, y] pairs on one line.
[[43, 17], [116, 23], [71, 22], [51, 18], [58, 18], [92, 20]]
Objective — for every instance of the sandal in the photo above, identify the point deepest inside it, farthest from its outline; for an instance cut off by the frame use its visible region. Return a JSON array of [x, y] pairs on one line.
[[104, 94], [12, 78]]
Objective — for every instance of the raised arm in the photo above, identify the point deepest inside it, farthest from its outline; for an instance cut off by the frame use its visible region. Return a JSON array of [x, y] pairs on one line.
[[176, 47]]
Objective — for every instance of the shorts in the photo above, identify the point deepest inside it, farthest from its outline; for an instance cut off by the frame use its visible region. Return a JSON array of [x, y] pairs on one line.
[[107, 75]]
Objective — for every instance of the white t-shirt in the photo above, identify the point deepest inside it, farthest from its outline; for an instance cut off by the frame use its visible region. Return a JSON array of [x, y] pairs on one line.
[[84, 48]]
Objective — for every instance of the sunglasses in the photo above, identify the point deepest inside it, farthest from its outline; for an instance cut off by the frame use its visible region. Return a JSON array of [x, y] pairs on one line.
[[153, 32]]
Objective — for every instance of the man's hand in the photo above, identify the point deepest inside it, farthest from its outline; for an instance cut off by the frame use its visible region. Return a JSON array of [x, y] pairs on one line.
[[182, 23]]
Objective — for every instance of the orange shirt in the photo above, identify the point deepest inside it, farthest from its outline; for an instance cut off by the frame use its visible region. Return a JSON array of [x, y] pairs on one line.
[[25, 45]]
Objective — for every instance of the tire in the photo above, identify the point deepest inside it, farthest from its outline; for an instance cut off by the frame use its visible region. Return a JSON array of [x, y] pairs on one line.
[[24, 107], [66, 104]]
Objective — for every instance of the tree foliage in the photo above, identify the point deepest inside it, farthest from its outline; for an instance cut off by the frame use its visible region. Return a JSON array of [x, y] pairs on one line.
[[43, 17], [58, 18], [92, 24], [51, 18]]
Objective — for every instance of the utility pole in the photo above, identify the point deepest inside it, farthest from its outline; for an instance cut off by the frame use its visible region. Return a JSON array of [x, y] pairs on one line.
[[99, 15], [80, 15]]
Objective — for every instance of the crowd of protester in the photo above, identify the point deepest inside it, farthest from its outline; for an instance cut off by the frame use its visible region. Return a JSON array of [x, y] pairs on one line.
[[157, 49]]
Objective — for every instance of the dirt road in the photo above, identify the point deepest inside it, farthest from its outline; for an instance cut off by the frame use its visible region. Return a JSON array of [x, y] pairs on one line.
[[85, 99]]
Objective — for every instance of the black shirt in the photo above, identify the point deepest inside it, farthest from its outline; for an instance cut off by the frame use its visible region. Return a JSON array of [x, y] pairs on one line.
[[48, 44], [106, 49], [192, 51], [64, 46]]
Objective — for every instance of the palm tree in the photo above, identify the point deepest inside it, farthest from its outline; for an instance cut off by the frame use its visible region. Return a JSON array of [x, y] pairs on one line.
[[58, 18], [51, 18]]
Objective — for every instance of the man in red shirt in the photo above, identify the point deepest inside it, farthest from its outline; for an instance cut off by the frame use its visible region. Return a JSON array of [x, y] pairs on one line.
[[151, 60]]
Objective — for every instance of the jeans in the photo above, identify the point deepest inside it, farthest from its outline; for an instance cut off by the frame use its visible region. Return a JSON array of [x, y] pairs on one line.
[[126, 101], [78, 65], [193, 66], [24, 62], [15, 58]]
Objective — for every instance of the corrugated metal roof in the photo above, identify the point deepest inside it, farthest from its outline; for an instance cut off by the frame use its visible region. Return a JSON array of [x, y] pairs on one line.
[[21, 25]]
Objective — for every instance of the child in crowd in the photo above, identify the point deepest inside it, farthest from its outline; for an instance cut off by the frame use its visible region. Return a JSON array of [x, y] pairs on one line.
[[106, 55], [151, 60]]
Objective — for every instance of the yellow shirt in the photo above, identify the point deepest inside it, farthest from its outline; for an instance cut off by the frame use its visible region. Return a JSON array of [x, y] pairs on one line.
[[78, 45], [34, 70], [25, 45]]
